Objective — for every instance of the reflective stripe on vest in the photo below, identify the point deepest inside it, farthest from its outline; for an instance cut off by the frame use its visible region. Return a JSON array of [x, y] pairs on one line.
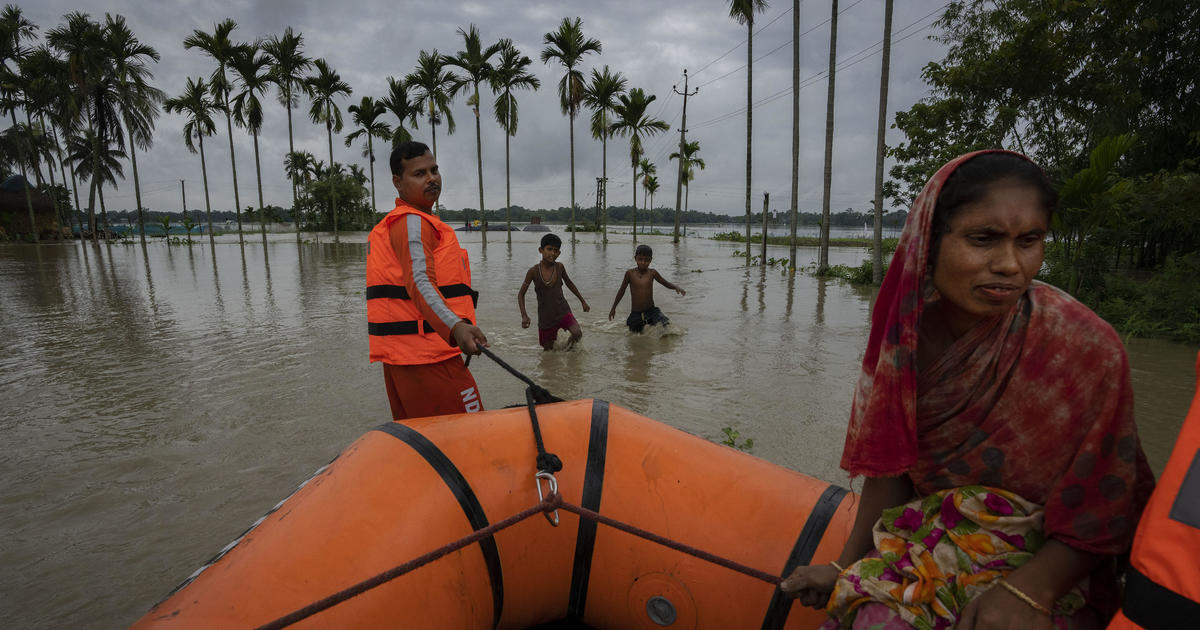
[[1162, 587], [398, 332]]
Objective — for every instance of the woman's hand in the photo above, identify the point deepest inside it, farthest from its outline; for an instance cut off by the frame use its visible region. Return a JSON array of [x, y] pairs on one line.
[[997, 609], [810, 584]]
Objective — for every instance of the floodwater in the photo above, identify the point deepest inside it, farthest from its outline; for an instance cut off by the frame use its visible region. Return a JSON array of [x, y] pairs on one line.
[[155, 401]]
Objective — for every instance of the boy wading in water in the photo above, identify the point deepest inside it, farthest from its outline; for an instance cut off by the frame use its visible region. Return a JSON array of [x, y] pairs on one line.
[[640, 281], [548, 278]]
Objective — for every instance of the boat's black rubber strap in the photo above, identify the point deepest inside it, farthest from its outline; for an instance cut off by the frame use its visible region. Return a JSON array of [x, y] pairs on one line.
[[593, 484], [802, 553], [1152, 605], [466, 499]]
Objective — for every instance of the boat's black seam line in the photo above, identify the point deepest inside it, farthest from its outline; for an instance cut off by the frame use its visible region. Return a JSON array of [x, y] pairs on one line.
[[466, 499], [593, 485], [802, 553]]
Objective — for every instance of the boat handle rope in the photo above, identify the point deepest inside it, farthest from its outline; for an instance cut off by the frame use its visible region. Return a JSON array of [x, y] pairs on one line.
[[549, 504], [547, 463]]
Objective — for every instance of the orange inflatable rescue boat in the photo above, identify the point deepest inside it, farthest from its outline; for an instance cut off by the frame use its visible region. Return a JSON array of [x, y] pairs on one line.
[[410, 487]]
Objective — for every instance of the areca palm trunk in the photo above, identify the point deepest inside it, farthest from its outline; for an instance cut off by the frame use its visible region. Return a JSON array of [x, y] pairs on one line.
[[572, 126], [749, 119], [207, 203], [28, 195], [291, 150], [103, 209], [62, 168], [371, 156], [880, 131], [137, 186], [92, 183], [507, 177], [237, 201], [635, 201], [262, 215], [823, 256], [794, 210], [479, 167], [332, 191], [604, 178]]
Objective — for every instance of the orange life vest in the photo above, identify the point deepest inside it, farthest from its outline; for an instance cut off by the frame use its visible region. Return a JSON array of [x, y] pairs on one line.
[[398, 331], [1162, 586]]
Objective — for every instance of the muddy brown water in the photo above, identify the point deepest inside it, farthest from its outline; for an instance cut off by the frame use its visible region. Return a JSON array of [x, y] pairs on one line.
[[155, 401]]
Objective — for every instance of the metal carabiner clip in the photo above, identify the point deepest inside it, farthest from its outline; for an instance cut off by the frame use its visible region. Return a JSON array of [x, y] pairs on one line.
[[553, 485]]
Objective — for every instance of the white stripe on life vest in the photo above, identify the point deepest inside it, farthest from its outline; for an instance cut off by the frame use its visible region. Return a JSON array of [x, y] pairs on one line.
[[416, 251]]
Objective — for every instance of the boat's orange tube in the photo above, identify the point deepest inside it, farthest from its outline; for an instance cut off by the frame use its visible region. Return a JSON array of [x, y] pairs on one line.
[[410, 487]]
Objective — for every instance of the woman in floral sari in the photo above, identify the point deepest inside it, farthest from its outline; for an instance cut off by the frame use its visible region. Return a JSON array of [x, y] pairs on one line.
[[993, 422]]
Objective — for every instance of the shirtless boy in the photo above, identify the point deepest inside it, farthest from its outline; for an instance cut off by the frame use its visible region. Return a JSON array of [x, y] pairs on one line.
[[640, 281], [554, 313]]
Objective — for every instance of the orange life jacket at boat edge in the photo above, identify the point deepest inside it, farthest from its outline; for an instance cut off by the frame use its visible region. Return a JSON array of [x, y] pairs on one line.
[[1162, 585], [397, 330]]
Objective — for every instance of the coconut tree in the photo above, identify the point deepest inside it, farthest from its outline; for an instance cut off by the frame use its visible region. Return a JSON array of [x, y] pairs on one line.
[[633, 121], [253, 70], [14, 29], [44, 85], [600, 95], [823, 251], [366, 116], [324, 87], [195, 105], [138, 100], [80, 149], [223, 50], [475, 62], [880, 149], [510, 74], [742, 12], [403, 108], [691, 161], [567, 46], [288, 64], [434, 88]]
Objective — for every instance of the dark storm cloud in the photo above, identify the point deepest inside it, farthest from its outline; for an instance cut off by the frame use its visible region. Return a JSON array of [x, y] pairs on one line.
[[649, 43]]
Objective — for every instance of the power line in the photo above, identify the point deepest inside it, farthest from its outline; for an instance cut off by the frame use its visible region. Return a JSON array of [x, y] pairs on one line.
[[739, 44], [777, 48], [816, 78]]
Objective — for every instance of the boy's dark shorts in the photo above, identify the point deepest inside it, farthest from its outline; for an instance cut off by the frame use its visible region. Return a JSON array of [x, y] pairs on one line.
[[638, 320]]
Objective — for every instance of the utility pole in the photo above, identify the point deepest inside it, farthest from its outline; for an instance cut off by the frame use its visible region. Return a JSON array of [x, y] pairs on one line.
[[682, 143], [601, 202], [766, 200]]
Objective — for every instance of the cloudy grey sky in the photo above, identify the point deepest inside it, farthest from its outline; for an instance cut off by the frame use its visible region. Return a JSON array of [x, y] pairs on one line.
[[649, 42]]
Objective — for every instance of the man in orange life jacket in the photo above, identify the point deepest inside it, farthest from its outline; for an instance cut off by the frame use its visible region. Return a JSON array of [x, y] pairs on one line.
[[1162, 584], [420, 305]]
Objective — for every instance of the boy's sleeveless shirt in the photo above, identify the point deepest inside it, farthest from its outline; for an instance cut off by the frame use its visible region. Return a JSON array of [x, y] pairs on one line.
[[552, 305]]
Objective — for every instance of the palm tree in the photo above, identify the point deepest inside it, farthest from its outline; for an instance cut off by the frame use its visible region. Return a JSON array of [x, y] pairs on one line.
[[405, 111], [223, 50], [510, 74], [288, 64], [475, 66], [794, 210], [92, 99], [650, 183], [632, 121], [138, 100], [690, 162], [742, 11], [14, 28], [646, 169], [366, 115], [196, 106], [253, 70], [435, 88], [567, 45], [601, 96], [324, 87], [46, 98], [880, 130], [823, 253], [80, 154]]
